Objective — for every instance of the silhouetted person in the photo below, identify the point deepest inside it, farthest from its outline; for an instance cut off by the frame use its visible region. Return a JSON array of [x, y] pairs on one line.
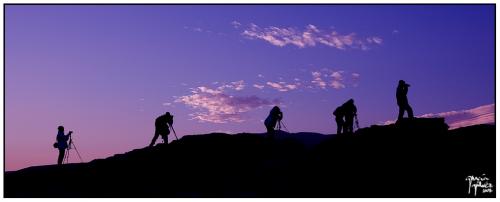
[[275, 115], [62, 143], [346, 111], [162, 125], [401, 92], [339, 118], [350, 111]]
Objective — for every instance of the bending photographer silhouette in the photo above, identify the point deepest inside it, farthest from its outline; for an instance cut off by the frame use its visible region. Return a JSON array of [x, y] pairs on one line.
[[275, 115], [162, 124], [348, 111]]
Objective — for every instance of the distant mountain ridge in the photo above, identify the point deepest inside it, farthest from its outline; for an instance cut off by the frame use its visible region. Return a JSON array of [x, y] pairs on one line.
[[414, 158]]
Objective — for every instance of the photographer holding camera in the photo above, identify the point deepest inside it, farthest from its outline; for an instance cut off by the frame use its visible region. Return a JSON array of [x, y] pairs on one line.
[[162, 124], [403, 104], [61, 143]]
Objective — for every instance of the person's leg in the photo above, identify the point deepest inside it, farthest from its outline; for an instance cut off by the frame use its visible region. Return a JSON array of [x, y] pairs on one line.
[[154, 138], [348, 123], [270, 131], [339, 128], [340, 124], [60, 158], [410, 111], [401, 112], [164, 138]]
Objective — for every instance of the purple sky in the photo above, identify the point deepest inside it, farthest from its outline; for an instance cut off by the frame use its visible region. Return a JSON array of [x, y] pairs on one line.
[[106, 72]]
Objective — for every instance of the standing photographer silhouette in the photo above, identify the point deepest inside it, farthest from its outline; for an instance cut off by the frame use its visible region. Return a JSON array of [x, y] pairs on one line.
[[62, 143], [403, 104]]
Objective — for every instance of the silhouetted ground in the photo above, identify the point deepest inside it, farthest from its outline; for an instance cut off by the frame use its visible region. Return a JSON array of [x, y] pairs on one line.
[[417, 158]]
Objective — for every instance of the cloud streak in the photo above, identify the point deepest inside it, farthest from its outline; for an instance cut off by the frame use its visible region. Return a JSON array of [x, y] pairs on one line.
[[258, 86], [282, 86], [310, 36], [456, 119]]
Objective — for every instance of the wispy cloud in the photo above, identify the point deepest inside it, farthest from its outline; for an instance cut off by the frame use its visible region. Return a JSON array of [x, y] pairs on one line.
[[258, 86], [199, 29], [204, 89], [215, 106], [337, 84], [376, 40], [337, 75], [317, 80], [310, 36], [335, 79], [355, 75], [282, 86], [235, 85], [355, 79], [235, 24], [455, 119]]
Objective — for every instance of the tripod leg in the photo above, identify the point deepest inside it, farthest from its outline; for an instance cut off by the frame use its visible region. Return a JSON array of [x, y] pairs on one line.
[[66, 157], [78, 153]]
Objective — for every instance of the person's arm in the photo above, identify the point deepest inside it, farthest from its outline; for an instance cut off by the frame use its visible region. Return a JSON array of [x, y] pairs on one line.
[[170, 122], [68, 135]]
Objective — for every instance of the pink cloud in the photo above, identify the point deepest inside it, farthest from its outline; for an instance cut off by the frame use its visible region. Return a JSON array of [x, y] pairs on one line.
[[236, 85], [258, 86], [456, 119], [282, 86], [334, 79], [217, 107], [337, 84], [204, 89], [309, 37], [337, 75], [317, 80]]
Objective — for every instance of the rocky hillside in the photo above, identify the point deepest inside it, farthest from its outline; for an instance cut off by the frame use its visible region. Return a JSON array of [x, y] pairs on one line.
[[415, 158]]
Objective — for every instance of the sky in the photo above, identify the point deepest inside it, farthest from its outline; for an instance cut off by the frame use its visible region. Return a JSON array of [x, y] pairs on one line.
[[107, 71]]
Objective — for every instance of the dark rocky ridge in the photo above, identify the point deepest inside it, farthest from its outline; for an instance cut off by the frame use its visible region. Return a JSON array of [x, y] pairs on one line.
[[416, 158]]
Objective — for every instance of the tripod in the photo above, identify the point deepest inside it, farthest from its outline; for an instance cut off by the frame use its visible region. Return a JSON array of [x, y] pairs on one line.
[[171, 127], [281, 123], [174, 132], [66, 155]]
